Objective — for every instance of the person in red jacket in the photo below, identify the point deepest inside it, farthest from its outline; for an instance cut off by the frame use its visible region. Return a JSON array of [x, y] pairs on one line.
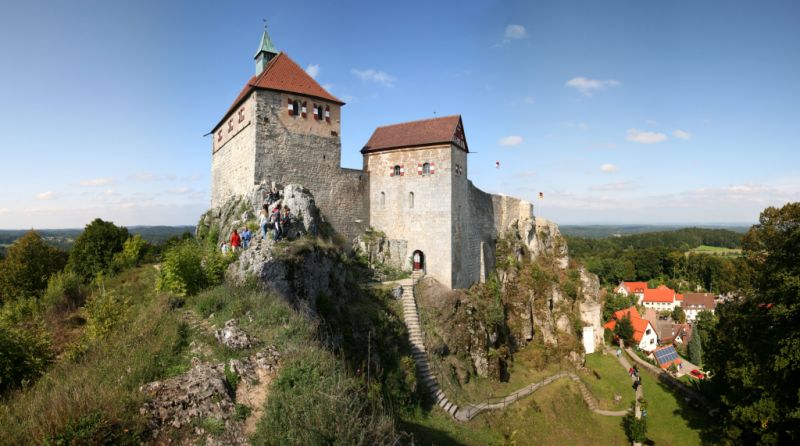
[[235, 240]]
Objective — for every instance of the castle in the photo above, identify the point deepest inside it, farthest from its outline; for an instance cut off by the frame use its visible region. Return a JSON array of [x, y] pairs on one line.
[[284, 127]]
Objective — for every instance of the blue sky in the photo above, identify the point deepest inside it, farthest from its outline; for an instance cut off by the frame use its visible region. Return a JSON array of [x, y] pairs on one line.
[[618, 111]]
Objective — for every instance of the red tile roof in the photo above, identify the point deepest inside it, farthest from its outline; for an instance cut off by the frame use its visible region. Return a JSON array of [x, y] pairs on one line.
[[415, 133], [639, 325], [281, 74], [660, 294], [634, 287]]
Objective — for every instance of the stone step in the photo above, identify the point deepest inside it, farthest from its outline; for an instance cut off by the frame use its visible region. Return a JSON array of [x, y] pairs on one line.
[[443, 402], [448, 406], [453, 410]]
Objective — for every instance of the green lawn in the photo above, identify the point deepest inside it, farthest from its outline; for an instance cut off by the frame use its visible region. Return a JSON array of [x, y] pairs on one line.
[[716, 250], [670, 419], [613, 379], [553, 415]]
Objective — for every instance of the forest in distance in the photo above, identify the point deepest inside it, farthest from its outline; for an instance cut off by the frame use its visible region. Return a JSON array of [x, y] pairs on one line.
[[667, 257]]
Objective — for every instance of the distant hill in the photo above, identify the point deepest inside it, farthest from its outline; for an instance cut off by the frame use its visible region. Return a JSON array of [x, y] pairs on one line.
[[64, 238], [603, 231]]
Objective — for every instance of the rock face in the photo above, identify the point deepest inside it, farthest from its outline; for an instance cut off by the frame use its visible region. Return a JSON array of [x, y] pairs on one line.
[[378, 249], [244, 211]]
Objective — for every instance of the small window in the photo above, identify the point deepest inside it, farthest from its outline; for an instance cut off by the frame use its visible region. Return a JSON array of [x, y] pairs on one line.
[[411, 200], [230, 124], [219, 135], [295, 108], [426, 169], [397, 171], [383, 200], [652, 341], [241, 114], [648, 331]]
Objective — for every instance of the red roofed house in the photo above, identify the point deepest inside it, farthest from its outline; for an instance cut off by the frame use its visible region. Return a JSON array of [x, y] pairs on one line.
[[284, 128], [643, 332], [637, 288], [661, 298]]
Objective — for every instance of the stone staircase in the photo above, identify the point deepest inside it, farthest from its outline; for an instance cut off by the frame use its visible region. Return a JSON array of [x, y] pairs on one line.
[[417, 338]]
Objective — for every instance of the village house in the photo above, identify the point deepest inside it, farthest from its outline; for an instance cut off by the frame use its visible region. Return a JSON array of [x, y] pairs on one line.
[[661, 298], [635, 288], [643, 332], [694, 303]]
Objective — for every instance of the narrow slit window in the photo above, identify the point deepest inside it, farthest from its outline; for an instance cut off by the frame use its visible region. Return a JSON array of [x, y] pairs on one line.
[[383, 200], [411, 200]]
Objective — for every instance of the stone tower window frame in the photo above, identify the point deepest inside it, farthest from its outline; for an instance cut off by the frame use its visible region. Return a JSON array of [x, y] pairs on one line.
[[397, 171], [328, 114], [241, 114], [426, 168], [294, 107], [303, 109], [383, 200], [411, 200]]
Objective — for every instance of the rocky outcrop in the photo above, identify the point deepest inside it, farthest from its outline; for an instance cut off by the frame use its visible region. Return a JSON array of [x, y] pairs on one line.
[[233, 337], [379, 250]]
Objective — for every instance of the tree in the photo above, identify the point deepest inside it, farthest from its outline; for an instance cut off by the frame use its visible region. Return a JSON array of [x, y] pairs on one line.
[[696, 347], [678, 315], [705, 323], [753, 349], [94, 249], [29, 264], [615, 302], [624, 329]]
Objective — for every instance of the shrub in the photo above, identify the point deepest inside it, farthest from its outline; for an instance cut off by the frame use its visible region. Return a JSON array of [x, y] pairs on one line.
[[635, 428], [104, 311], [182, 270], [64, 292], [94, 249], [28, 265], [133, 251], [24, 353]]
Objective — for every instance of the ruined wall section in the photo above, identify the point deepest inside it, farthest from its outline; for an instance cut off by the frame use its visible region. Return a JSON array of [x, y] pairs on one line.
[[427, 223], [233, 155], [306, 151], [508, 209]]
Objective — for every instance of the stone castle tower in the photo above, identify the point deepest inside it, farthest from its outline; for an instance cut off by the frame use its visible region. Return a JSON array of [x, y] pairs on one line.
[[284, 127]]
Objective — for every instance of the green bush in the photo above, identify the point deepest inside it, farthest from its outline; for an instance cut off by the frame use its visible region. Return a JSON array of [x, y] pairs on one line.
[[25, 353], [28, 265], [94, 250], [65, 292], [133, 251], [182, 270]]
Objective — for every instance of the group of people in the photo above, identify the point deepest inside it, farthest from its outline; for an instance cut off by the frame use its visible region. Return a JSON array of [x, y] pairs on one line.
[[238, 240], [274, 221], [634, 373]]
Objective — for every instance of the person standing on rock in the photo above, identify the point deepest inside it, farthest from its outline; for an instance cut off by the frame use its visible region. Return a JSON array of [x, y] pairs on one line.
[[285, 218], [263, 222], [235, 240], [246, 236], [275, 220]]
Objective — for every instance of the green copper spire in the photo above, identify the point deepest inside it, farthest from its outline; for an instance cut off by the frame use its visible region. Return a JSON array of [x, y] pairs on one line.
[[266, 51]]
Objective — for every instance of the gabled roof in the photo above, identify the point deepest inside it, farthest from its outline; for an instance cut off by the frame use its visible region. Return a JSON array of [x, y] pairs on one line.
[[660, 294], [447, 129], [699, 300], [634, 287], [639, 325], [282, 74]]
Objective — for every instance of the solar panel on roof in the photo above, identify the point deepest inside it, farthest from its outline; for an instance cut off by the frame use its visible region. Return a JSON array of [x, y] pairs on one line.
[[666, 354]]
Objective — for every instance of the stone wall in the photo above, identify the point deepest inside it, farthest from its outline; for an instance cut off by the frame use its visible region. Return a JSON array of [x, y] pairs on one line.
[[427, 225], [507, 210], [232, 161]]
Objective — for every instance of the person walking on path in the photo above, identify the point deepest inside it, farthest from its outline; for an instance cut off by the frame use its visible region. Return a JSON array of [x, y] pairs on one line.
[[235, 240]]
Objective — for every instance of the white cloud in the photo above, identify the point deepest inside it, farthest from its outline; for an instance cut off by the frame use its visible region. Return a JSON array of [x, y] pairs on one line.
[[313, 70], [615, 186], [643, 137], [110, 193], [96, 182], [328, 87], [515, 32], [511, 140], [682, 134], [180, 190], [526, 174], [377, 76], [608, 168], [589, 86], [46, 195]]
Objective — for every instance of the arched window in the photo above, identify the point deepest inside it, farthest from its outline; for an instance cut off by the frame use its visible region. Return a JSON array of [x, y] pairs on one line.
[[397, 171], [383, 200], [411, 200], [295, 108], [426, 169]]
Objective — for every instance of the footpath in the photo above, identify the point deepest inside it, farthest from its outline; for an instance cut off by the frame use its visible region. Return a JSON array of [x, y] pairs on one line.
[[463, 414]]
